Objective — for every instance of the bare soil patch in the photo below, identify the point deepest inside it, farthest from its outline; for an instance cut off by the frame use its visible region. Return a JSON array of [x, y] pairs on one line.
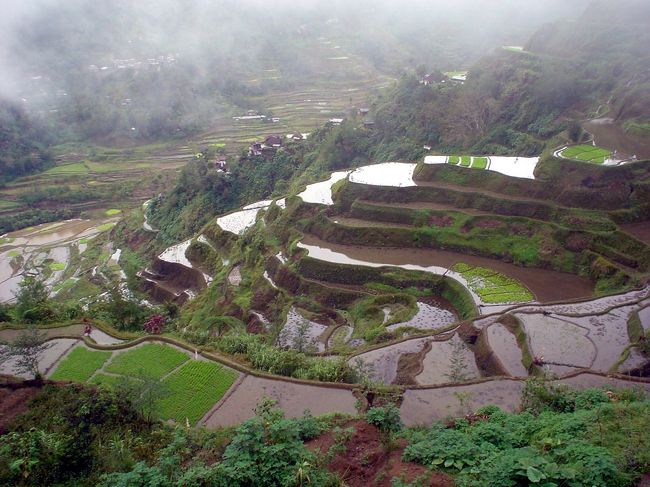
[[14, 399], [366, 459]]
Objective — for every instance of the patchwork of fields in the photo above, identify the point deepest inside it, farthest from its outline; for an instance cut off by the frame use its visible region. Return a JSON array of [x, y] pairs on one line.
[[189, 387]]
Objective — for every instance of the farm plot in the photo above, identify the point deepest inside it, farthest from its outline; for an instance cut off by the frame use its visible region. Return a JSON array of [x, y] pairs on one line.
[[152, 360], [80, 364], [193, 389], [111, 381], [586, 153], [493, 287], [562, 345], [469, 161]]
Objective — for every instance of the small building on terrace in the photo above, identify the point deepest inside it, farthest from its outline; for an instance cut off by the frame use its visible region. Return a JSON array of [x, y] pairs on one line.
[[266, 148]]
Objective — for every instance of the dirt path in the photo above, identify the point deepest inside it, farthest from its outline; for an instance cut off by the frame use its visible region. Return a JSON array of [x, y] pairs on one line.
[[64, 331]]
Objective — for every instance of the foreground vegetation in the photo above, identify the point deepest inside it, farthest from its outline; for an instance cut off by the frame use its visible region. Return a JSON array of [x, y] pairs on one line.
[[74, 435]]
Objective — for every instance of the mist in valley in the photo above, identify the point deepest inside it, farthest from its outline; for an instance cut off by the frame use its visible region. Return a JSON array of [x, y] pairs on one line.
[[152, 69]]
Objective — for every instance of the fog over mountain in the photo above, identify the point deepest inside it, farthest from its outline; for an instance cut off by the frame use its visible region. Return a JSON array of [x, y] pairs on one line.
[[56, 38]]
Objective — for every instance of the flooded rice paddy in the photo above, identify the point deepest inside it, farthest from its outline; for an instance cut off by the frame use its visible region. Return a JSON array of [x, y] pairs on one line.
[[381, 363], [50, 244], [239, 221], [544, 284], [437, 363], [562, 345], [293, 398], [396, 174], [518, 167], [428, 317], [47, 360], [321, 193], [301, 334], [504, 345]]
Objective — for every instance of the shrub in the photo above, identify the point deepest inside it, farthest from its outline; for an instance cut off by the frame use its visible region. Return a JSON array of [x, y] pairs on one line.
[[154, 325], [443, 448], [386, 418]]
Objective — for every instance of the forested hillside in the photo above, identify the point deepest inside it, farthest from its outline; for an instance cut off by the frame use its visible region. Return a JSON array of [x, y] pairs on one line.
[[22, 143], [516, 101]]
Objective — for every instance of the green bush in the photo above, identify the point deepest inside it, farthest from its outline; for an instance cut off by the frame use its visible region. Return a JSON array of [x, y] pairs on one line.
[[443, 448], [291, 363], [573, 438], [386, 418]]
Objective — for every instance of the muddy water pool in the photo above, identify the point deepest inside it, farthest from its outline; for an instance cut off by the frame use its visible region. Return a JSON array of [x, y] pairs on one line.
[[437, 363], [546, 285], [564, 346], [299, 329], [428, 317], [293, 398], [505, 348]]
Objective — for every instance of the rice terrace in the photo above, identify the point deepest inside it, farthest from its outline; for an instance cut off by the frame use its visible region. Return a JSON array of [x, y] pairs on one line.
[[325, 244]]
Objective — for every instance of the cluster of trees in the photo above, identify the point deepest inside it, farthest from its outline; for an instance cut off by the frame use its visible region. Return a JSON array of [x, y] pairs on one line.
[[201, 193], [23, 143]]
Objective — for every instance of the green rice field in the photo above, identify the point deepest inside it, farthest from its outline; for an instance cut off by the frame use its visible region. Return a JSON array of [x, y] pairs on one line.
[[80, 364], [493, 287], [587, 153], [153, 360], [469, 161], [192, 387]]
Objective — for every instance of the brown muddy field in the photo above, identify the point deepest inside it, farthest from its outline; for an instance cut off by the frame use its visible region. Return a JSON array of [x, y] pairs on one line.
[[293, 398], [639, 230], [424, 406], [505, 347], [546, 285]]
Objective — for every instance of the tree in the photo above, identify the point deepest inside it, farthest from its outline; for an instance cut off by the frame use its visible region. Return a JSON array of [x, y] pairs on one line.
[[574, 130], [143, 392], [32, 299], [26, 350], [458, 363]]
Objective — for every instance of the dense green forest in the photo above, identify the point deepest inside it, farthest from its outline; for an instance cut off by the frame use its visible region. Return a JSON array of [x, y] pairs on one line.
[[23, 143]]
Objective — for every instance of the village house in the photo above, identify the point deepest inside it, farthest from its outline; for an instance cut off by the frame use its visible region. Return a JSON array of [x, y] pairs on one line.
[[220, 164], [267, 148], [335, 121], [432, 78]]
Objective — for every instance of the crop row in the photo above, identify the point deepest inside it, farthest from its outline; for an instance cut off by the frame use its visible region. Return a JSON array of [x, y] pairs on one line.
[[193, 389]]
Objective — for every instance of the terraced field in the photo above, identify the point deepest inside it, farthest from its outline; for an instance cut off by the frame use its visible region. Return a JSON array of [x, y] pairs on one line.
[[379, 241], [151, 360], [587, 153], [191, 387], [80, 365], [148, 169]]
